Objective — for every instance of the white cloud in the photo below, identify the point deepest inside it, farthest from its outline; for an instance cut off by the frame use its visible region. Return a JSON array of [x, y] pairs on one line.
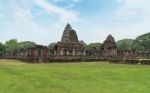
[[70, 5], [119, 1], [73, 3], [56, 1], [65, 15], [133, 17], [23, 26], [129, 20], [129, 9], [98, 31], [23, 15], [1, 15]]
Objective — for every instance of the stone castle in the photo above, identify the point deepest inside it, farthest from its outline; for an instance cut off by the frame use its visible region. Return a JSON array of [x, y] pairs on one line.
[[71, 49]]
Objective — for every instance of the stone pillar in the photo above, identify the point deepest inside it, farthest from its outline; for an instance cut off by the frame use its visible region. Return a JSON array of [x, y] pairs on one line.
[[74, 52], [68, 53], [26, 53], [57, 52], [61, 52], [79, 53], [42, 52], [50, 53], [84, 53]]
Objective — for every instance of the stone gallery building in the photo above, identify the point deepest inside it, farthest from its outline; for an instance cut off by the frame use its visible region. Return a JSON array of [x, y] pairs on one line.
[[38, 53], [70, 48]]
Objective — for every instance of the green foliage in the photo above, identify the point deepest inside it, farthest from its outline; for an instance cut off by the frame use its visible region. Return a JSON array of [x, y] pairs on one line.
[[51, 45], [2, 49], [142, 43], [12, 47], [26, 44], [125, 44], [94, 77], [93, 46]]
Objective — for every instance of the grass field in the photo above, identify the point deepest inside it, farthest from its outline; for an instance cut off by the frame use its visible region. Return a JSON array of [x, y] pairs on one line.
[[94, 77]]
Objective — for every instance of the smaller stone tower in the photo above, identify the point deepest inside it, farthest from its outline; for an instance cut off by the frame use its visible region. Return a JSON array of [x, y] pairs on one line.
[[109, 47]]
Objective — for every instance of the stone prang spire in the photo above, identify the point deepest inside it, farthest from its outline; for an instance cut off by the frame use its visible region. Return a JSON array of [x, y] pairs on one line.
[[110, 39], [109, 47], [69, 35], [109, 42]]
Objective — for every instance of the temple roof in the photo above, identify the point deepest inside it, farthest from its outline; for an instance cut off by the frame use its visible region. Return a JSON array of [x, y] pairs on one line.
[[69, 35], [110, 38], [109, 42]]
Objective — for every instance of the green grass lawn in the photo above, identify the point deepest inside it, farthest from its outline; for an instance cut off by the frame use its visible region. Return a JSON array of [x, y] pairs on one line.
[[94, 77]]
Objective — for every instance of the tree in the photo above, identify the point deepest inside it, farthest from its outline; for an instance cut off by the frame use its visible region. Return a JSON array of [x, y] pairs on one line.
[[142, 43], [26, 44], [93, 46], [11, 47], [125, 44], [2, 49], [52, 45]]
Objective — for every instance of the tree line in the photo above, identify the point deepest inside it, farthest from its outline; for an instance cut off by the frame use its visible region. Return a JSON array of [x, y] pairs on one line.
[[13, 46], [141, 43]]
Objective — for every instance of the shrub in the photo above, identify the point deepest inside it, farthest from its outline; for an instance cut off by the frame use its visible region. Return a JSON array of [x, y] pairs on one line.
[[145, 62]]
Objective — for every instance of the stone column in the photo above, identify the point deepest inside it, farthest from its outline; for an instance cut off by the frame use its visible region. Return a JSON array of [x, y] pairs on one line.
[[53, 53], [79, 53], [84, 53], [68, 53], [61, 52], [74, 52], [26, 53]]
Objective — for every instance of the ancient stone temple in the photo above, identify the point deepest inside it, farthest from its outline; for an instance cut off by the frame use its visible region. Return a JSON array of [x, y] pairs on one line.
[[69, 45], [109, 47], [69, 48]]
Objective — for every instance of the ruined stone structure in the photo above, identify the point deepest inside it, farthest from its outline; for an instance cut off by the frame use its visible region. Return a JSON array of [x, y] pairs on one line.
[[143, 54], [109, 48], [38, 53], [70, 48], [126, 53], [69, 45]]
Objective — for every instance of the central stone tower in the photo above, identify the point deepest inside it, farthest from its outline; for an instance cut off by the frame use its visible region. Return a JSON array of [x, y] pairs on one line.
[[69, 35], [69, 44]]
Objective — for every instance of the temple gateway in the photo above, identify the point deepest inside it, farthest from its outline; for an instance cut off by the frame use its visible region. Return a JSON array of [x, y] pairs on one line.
[[71, 49]]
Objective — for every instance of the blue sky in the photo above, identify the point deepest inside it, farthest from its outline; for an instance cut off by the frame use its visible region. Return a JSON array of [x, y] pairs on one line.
[[43, 21]]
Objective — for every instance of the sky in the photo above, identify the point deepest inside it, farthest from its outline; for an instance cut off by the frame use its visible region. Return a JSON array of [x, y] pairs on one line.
[[43, 21]]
